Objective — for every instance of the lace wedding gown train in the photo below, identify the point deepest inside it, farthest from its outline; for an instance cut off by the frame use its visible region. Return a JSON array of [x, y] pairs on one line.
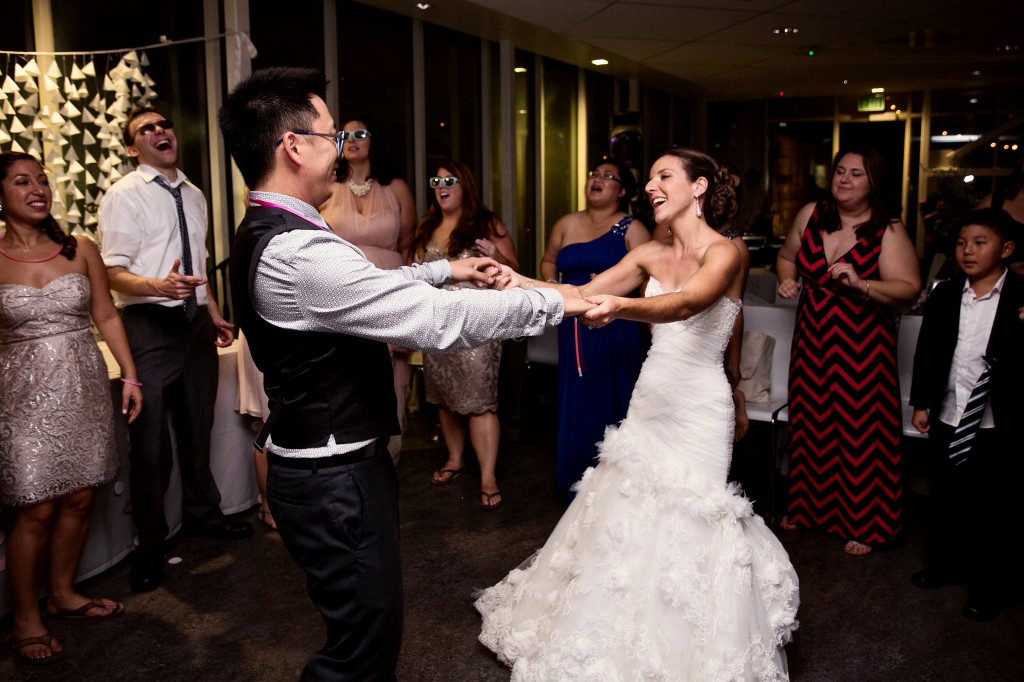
[[659, 570]]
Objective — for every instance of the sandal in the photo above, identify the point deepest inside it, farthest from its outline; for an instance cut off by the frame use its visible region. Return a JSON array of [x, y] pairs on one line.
[[45, 639], [854, 548], [485, 502], [784, 524], [82, 612], [438, 476], [266, 518]]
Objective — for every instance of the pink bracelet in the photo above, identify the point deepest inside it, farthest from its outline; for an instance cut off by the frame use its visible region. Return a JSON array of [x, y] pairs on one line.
[[131, 383]]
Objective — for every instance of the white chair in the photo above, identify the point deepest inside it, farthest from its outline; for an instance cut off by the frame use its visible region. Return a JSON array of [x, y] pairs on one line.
[[777, 322], [906, 345]]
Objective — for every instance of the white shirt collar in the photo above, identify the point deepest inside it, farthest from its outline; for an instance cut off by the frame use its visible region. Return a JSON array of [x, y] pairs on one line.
[[149, 173], [994, 291]]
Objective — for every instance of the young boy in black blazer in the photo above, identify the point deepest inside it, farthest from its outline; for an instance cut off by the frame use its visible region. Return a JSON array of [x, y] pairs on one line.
[[972, 325]]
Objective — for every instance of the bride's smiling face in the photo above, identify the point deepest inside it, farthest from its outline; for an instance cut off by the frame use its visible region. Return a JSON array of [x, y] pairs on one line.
[[670, 190]]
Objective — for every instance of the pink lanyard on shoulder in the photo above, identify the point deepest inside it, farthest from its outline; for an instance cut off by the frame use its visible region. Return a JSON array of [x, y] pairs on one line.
[[271, 204]]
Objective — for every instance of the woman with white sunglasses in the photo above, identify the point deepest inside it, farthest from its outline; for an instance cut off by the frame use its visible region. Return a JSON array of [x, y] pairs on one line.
[[464, 383]]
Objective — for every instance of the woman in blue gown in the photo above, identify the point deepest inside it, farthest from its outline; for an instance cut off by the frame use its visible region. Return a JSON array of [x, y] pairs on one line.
[[597, 368]]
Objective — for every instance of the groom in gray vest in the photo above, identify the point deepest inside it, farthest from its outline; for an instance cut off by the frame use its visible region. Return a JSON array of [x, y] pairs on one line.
[[318, 317]]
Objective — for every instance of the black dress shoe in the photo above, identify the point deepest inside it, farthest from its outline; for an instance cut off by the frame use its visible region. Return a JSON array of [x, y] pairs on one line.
[[225, 530], [980, 611], [147, 572], [927, 579]]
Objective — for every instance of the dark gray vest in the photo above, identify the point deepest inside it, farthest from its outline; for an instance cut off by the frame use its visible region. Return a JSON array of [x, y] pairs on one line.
[[321, 383]]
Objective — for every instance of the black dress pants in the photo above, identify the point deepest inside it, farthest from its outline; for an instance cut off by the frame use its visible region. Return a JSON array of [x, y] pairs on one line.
[[176, 362], [972, 514], [340, 524]]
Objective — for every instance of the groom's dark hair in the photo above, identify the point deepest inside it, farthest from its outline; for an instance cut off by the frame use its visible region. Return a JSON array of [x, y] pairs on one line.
[[263, 107]]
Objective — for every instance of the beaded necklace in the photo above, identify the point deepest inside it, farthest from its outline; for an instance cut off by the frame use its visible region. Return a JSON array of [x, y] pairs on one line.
[[360, 190]]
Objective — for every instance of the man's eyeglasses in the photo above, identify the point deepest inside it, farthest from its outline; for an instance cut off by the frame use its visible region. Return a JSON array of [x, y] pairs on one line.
[[359, 134], [338, 137], [447, 181], [150, 128], [603, 175]]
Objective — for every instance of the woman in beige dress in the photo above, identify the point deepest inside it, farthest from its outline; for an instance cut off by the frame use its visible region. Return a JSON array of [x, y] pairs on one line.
[[57, 436], [464, 383], [375, 211]]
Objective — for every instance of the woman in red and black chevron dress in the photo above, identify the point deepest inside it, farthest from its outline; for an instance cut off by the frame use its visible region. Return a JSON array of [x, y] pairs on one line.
[[856, 264]]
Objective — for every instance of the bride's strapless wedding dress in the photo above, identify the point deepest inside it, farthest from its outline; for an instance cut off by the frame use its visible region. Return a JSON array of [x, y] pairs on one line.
[[659, 570]]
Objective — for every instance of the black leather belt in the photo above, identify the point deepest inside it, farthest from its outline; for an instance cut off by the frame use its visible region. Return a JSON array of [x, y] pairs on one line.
[[314, 463]]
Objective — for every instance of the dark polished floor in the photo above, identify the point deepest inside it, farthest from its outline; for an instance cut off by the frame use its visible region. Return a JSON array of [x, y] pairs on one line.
[[238, 611]]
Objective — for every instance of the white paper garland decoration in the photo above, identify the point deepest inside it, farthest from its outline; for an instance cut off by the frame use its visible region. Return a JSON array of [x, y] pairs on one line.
[[37, 111]]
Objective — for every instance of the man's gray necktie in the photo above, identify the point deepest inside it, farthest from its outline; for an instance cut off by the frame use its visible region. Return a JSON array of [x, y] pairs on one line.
[[191, 305]]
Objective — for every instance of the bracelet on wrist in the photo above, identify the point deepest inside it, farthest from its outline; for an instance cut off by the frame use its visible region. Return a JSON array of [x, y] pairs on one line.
[[867, 289], [131, 382], [552, 281]]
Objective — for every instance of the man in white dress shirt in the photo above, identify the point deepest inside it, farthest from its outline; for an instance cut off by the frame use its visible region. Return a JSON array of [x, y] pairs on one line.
[[153, 225]]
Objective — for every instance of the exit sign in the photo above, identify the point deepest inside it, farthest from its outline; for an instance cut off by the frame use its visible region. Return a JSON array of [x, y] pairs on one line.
[[871, 103]]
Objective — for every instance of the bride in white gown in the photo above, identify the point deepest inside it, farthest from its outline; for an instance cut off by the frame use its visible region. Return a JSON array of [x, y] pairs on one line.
[[659, 570]]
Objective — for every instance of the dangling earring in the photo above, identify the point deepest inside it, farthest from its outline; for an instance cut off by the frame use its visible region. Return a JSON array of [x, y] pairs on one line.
[[700, 213]]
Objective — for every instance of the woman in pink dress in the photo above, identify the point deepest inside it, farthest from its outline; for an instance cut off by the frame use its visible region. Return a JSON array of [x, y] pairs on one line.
[[375, 211]]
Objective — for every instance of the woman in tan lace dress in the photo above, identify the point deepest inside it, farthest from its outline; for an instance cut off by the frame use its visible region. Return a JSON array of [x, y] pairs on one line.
[[375, 211], [56, 419], [464, 383]]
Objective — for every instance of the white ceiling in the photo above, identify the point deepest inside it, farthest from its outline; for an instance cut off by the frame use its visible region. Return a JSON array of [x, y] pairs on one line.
[[727, 49]]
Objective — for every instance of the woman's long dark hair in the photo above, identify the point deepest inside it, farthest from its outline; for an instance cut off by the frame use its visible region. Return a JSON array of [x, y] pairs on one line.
[[49, 225], [719, 201], [474, 223], [883, 211], [379, 168]]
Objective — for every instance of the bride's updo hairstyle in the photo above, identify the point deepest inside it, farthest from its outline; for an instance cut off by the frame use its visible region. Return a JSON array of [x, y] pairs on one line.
[[719, 201]]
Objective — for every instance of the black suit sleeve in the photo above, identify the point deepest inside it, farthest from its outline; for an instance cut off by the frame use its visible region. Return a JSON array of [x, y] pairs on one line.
[[929, 380]]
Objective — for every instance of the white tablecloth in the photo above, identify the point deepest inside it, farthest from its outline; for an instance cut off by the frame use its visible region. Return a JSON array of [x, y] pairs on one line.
[[111, 533]]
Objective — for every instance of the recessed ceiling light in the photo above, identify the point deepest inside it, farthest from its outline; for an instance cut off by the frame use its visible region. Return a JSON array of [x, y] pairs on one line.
[[423, 5], [877, 91], [520, 69], [784, 30], [973, 100], [599, 62]]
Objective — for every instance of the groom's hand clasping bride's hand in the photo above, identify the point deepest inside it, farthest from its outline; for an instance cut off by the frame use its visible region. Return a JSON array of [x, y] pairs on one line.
[[603, 309], [480, 271], [575, 303], [509, 279]]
